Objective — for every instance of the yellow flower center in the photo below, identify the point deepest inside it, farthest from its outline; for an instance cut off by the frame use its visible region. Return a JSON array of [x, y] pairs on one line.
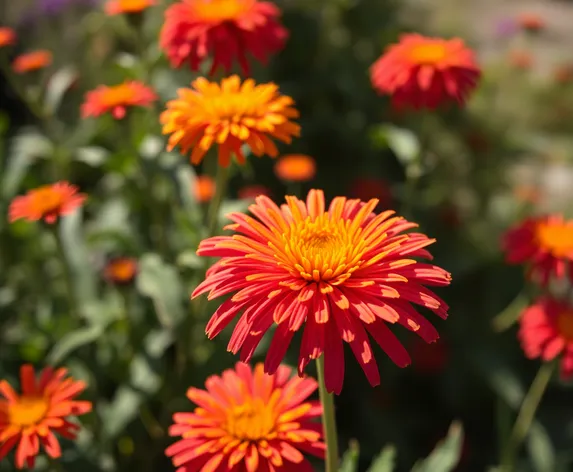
[[428, 53], [27, 411], [45, 200], [251, 421], [221, 10], [118, 95], [565, 324], [556, 238]]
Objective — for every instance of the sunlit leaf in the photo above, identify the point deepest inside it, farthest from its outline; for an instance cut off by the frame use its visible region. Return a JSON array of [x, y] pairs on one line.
[[350, 459], [58, 85], [446, 456], [385, 462]]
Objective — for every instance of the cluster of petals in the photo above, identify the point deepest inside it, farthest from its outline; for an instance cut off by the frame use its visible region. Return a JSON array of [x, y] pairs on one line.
[[340, 273], [32, 61], [423, 72], [33, 418], [117, 99], [249, 421], [225, 30]]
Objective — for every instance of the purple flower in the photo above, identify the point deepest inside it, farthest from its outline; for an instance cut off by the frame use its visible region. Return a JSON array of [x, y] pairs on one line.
[[506, 28]]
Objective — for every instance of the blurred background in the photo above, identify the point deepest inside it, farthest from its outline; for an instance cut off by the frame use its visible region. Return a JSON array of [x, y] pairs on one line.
[[507, 154]]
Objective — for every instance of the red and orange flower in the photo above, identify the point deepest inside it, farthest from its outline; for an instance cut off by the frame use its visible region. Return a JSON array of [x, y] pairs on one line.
[[422, 72], [249, 421], [117, 99], [118, 7], [121, 270], [48, 202], [225, 29], [204, 188], [296, 168], [229, 115], [340, 273], [29, 420], [32, 61], [7, 36], [545, 244], [546, 331]]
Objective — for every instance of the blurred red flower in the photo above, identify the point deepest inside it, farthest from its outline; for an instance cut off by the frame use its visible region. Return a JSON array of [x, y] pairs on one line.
[[204, 188], [532, 22], [295, 168], [117, 7], [121, 270], [32, 61], [7, 36], [116, 99], [252, 191]]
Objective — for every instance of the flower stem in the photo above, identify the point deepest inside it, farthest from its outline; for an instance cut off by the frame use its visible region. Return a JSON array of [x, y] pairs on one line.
[[526, 415], [221, 182], [328, 419], [69, 279]]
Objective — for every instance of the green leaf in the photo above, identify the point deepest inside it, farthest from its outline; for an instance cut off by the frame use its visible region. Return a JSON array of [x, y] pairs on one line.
[[73, 341], [541, 450], [350, 458], [403, 143], [92, 155], [385, 462], [121, 411], [446, 456], [58, 85]]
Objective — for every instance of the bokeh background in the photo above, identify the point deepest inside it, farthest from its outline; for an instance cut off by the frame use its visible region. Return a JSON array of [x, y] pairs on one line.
[[507, 154]]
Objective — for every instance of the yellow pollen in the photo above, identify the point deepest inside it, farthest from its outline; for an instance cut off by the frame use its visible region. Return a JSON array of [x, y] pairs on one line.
[[27, 411], [557, 238], [428, 53], [565, 324], [46, 200], [251, 421], [221, 10]]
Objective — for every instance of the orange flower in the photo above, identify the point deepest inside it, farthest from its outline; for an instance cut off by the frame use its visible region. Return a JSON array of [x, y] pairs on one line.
[[546, 331], [204, 188], [225, 29], [117, 7], [342, 272], [31, 419], [121, 270], [229, 116], [252, 191], [48, 202], [7, 37], [31, 61], [531, 22], [296, 168], [544, 243], [117, 99], [564, 74], [248, 421], [423, 72], [521, 59]]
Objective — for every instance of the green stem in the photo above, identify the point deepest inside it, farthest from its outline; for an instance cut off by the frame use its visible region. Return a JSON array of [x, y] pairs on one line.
[[328, 419], [221, 182], [68, 276], [526, 415]]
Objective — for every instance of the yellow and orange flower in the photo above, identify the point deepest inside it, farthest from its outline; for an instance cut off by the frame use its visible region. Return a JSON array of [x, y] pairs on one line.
[[545, 244], [204, 188], [249, 421], [546, 331], [229, 116], [118, 7], [226, 30], [296, 168], [422, 72], [31, 419], [341, 272], [48, 202], [32, 61], [531, 22], [7, 36], [117, 99], [121, 270]]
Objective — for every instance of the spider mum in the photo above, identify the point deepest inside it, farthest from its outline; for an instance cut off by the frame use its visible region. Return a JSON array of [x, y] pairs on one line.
[[546, 331], [229, 115], [421, 72], [7, 36], [249, 421], [545, 244], [32, 61], [342, 272], [118, 7], [31, 419], [116, 99], [225, 29], [48, 202]]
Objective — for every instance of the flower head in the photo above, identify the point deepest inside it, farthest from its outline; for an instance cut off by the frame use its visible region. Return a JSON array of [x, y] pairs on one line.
[[117, 7], [7, 36], [204, 188], [229, 115], [296, 168], [30, 419], [225, 29], [531, 22], [248, 421], [546, 331], [423, 72], [121, 270], [116, 99], [544, 243], [341, 272], [31, 61]]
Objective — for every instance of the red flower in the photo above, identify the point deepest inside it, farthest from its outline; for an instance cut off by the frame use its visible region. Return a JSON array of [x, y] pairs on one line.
[[546, 331], [531, 22], [117, 99], [423, 72], [340, 272], [7, 36], [31, 419], [247, 421], [225, 29], [120, 270], [544, 243], [32, 61], [48, 203]]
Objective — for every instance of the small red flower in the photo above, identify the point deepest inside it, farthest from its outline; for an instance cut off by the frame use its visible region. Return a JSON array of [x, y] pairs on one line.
[[545, 244], [225, 29], [117, 99], [32, 61], [204, 188], [121, 270], [546, 331], [422, 72], [295, 168], [7, 36], [531, 22], [48, 203]]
